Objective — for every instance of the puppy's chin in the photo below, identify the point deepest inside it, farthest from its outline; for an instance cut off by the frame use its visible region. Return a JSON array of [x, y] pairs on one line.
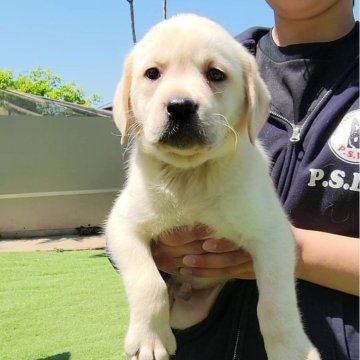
[[192, 157], [184, 158], [183, 151]]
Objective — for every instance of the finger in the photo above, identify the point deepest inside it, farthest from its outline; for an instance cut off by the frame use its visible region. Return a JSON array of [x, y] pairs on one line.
[[183, 235], [217, 261], [246, 276], [169, 267], [170, 258], [245, 272], [160, 249], [219, 245]]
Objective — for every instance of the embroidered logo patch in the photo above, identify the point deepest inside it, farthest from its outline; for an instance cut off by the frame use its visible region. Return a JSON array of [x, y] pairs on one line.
[[345, 140]]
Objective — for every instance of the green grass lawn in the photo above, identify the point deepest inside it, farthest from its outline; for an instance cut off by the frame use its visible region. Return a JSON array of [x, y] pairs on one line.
[[60, 306]]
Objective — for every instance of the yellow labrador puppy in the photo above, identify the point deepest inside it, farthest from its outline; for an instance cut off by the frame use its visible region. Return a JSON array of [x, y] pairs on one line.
[[193, 102]]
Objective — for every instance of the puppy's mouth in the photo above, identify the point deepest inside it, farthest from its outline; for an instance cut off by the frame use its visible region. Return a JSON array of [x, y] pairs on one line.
[[183, 131], [183, 136]]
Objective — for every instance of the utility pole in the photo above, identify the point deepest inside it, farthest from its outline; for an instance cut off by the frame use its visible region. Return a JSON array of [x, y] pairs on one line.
[[132, 17], [164, 9]]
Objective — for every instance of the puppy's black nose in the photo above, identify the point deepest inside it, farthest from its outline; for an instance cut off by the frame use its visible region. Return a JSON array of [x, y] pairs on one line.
[[183, 128], [181, 109]]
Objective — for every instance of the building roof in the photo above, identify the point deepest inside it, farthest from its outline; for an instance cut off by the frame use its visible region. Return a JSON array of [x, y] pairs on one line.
[[107, 106], [14, 102]]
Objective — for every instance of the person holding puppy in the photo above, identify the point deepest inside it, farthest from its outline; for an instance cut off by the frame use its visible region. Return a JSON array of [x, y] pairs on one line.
[[309, 60]]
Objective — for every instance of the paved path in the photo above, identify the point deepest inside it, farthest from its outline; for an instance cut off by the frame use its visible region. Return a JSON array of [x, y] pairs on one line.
[[53, 243]]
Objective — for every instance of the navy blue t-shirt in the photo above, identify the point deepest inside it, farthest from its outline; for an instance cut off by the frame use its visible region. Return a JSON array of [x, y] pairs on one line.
[[312, 138]]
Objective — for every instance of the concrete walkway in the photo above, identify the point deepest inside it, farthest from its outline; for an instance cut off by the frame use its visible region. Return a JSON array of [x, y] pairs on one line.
[[53, 243]]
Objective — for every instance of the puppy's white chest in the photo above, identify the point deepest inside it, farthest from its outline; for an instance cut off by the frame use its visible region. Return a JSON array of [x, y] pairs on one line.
[[205, 202], [176, 206]]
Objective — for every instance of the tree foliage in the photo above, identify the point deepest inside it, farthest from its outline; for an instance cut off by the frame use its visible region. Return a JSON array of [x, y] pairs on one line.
[[45, 83]]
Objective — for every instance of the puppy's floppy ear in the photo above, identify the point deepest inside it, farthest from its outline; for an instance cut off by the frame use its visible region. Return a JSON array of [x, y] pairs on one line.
[[257, 98], [122, 100]]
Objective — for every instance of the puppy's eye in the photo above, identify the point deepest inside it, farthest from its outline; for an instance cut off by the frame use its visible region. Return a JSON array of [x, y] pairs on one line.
[[153, 73], [215, 75]]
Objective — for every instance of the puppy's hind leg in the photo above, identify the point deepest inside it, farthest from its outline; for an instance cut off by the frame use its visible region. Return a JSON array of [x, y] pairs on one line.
[[279, 318]]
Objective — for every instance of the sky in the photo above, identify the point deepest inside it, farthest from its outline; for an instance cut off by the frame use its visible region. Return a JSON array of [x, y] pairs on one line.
[[86, 41]]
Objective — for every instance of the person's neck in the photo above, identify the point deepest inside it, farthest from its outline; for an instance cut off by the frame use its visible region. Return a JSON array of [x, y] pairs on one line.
[[331, 25]]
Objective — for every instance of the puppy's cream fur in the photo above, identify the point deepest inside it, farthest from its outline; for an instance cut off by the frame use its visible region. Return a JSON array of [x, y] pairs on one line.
[[222, 182]]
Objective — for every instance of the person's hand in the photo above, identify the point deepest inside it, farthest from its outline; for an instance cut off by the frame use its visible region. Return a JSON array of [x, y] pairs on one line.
[[192, 251]]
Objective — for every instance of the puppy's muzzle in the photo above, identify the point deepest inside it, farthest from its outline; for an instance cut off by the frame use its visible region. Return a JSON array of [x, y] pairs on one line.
[[183, 128]]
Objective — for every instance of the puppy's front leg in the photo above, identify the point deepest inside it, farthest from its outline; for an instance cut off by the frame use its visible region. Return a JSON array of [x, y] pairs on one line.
[[278, 314], [149, 335]]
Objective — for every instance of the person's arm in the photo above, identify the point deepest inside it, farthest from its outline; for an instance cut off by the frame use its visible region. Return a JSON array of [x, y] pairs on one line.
[[325, 259], [329, 260]]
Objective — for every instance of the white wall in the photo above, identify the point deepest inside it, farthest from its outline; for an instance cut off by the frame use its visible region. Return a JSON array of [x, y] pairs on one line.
[[57, 173]]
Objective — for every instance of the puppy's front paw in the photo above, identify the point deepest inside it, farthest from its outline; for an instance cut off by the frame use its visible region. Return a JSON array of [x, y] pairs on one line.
[[294, 351], [313, 354], [145, 343]]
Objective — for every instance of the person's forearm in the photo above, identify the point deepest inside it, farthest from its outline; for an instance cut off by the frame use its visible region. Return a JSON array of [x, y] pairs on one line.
[[329, 260]]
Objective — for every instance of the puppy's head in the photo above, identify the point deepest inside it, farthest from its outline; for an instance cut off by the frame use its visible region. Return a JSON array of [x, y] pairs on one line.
[[189, 90]]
